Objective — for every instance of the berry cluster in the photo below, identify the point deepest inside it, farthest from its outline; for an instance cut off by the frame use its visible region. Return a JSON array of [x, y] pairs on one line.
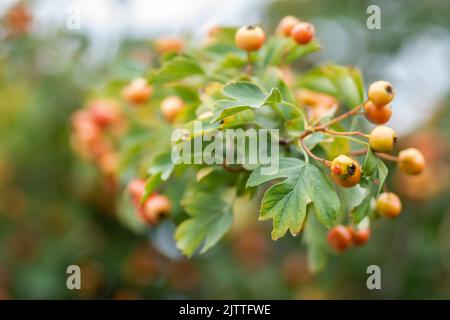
[[95, 129], [231, 90]]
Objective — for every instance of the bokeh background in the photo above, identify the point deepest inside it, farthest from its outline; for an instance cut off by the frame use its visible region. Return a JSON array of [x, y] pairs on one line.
[[55, 211]]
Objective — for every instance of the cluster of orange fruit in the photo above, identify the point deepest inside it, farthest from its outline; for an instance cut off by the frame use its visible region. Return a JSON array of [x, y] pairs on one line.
[[95, 129]]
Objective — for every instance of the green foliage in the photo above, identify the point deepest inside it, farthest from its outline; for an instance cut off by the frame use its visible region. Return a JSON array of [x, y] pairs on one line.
[[286, 202]]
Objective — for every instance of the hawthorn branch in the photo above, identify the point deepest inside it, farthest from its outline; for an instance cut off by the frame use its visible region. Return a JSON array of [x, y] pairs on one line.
[[312, 155], [382, 155], [348, 133], [343, 116]]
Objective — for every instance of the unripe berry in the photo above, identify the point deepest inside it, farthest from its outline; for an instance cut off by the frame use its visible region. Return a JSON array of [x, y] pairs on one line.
[[136, 189], [286, 25], [250, 38], [303, 32], [411, 161], [339, 238], [382, 139], [155, 208], [377, 114], [359, 236], [345, 171], [389, 205], [137, 92], [169, 45], [381, 93], [171, 107]]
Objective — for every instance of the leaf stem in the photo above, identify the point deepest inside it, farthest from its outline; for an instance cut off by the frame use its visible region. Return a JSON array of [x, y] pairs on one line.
[[312, 155]]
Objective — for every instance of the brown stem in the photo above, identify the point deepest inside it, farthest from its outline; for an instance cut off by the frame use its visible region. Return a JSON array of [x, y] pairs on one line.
[[387, 156], [232, 169], [349, 133], [379, 154], [343, 116], [312, 155]]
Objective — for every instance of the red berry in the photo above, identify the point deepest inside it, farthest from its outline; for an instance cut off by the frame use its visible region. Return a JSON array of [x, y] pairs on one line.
[[155, 208], [339, 238], [359, 236], [303, 32], [377, 114], [286, 25]]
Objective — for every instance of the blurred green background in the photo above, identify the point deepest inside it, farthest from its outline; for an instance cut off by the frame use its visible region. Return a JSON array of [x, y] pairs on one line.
[[55, 211]]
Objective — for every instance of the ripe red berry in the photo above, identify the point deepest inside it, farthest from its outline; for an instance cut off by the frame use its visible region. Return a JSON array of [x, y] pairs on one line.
[[339, 238], [303, 32], [382, 139], [137, 92], [377, 114], [381, 93], [359, 236], [155, 208], [389, 205], [250, 38], [286, 25], [345, 171], [411, 161]]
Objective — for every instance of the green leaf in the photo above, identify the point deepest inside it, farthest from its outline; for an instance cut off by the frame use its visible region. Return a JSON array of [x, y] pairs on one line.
[[152, 183], [359, 212], [286, 201], [382, 174], [176, 69], [210, 216], [274, 50], [375, 166], [315, 235], [243, 96], [300, 51], [163, 165], [345, 83]]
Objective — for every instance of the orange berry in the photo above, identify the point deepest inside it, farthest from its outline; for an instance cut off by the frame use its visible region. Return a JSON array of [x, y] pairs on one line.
[[389, 205], [250, 38], [377, 114], [170, 45], [339, 238], [171, 107], [359, 236], [105, 112], [136, 189], [303, 32], [286, 25], [137, 92], [411, 161], [155, 208], [345, 171]]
